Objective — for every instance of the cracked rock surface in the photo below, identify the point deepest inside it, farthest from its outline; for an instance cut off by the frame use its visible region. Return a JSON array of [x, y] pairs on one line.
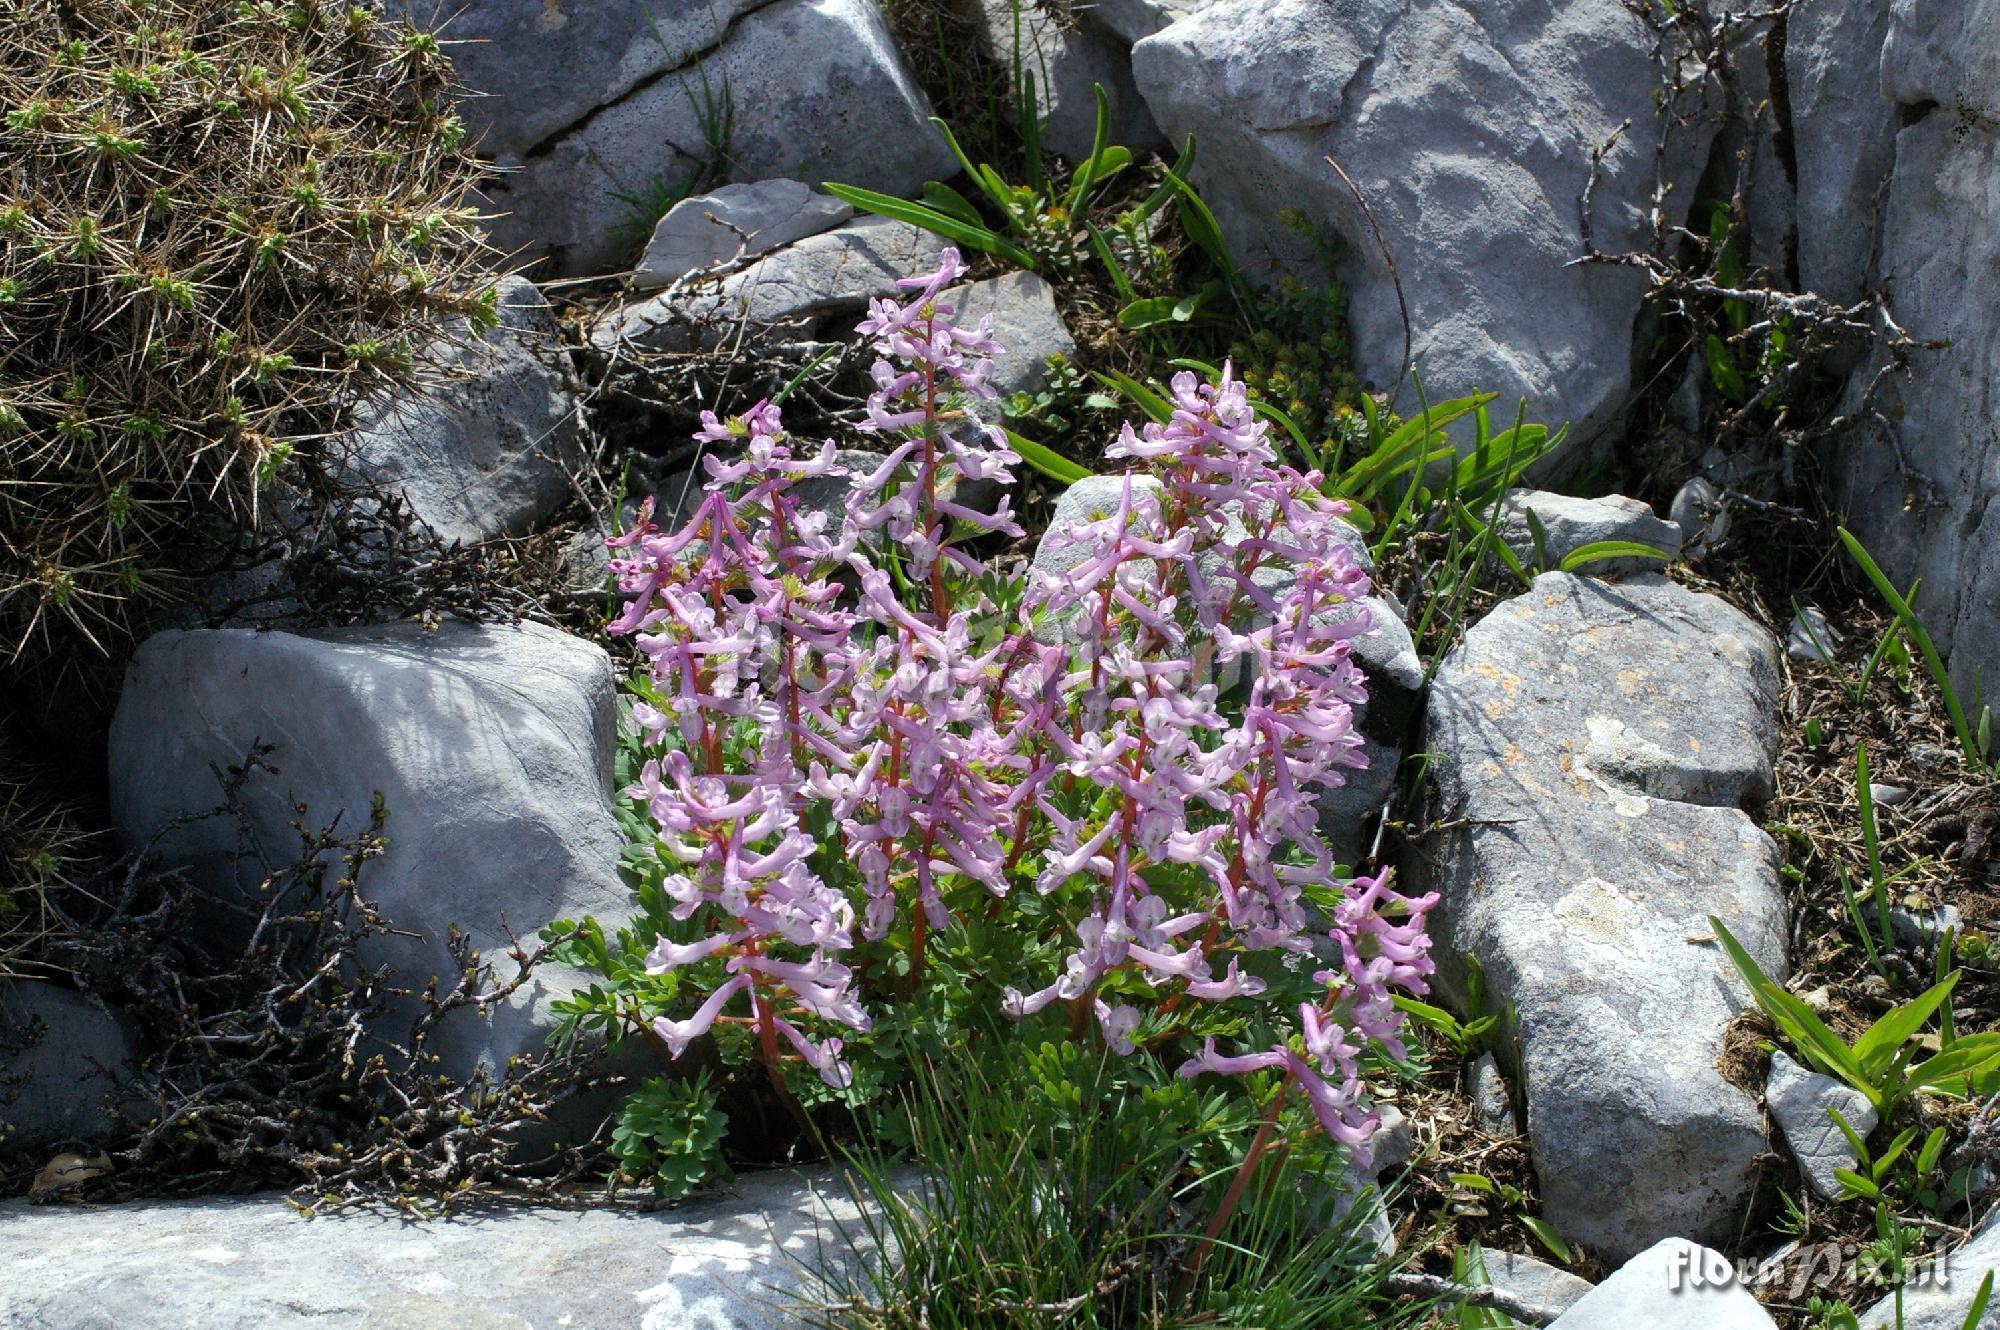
[[1920, 473], [796, 289], [1595, 745], [1799, 1100], [585, 105], [486, 450], [1445, 117]]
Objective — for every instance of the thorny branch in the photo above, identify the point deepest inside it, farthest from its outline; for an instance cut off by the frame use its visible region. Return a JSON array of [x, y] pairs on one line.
[[1694, 279], [269, 1058]]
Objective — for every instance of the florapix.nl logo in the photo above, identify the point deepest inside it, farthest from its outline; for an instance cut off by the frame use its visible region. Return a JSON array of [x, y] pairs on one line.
[[1799, 1268]]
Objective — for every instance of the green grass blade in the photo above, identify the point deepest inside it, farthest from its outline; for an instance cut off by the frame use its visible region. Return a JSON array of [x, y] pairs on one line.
[[1005, 204], [1917, 633], [1979, 1302], [1156, 407], [1406, 446], [1287, 424], [949, 201], [1163, 193], [1861, 927], [1794, 1017], [1202, 228], [1080, 187], [1101, 245], [1879, 888]]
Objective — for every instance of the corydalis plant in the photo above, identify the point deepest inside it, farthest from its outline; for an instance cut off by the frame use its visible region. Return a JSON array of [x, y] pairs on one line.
[[849, 758]]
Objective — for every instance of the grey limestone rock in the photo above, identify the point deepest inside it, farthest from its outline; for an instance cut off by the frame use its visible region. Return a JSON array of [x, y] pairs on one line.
[[736, 220], [486, 449], [736, 1261], [1442, 114], [1594, 743], [815, 89], [1661, 1288], [1799, 1100], [61, 1055], [1569, 524], [794, 290]]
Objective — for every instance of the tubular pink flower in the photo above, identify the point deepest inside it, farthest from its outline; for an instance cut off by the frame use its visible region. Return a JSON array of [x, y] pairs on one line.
[[667, 955], [677, 1035]]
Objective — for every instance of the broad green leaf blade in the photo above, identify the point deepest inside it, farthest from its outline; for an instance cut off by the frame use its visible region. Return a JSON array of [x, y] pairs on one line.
[[1817, 1041], [1879, 1044], [1202, 228], [1287, 424], [1972, 1055], [930, 219], [1101, 245], [1394, 454], [1164, 191], [1856, 1184], [1927, 1158], [1086, 174], [1854, 1138], [1722, 370], [1156, 407], [996, 186], [1597, 551], [1545, 1233], [1045, 460], [1794, 1017], [1979, 1302], [952, 203], [972, 172], [1879, 1168], [1538, 536], [1150, 312]]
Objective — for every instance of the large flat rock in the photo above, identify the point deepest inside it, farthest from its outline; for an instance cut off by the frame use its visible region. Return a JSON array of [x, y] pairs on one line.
[[823, 281], [1594, 744], [735, 1262]]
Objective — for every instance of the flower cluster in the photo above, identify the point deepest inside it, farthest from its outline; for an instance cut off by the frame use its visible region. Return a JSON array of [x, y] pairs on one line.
[[1216, 556], [1139, 746], [747, 584]]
